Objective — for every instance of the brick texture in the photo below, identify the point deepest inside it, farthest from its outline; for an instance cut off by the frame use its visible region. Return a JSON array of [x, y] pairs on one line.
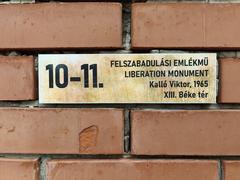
[[18, 169], [193, 132], [17, 78], [133, 142], [185, 25], [61, 131], [61, 25], [131, 169], [231, 170], [229, 80]]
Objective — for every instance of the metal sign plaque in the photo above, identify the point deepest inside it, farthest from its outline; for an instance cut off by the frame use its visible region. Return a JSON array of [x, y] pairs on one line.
[[127, 78]]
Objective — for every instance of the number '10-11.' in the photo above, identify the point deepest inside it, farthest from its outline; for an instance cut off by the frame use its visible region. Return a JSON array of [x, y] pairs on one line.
[[62, 68]]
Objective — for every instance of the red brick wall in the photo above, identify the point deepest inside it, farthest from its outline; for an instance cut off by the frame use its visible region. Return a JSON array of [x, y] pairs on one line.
[[118, 141]]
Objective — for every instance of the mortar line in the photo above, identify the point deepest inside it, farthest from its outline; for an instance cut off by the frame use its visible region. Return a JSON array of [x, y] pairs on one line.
[[42, 168], [120, 156], [126, 25], [220, 170], [127, 131]]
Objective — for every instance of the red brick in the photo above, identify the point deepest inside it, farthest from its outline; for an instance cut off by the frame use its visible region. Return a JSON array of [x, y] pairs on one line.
[[61, 131], [132, 169], [17, 78], [18, 169], [231, 170], [229, 80], [61, 25], [185, 25], [186, 132]]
